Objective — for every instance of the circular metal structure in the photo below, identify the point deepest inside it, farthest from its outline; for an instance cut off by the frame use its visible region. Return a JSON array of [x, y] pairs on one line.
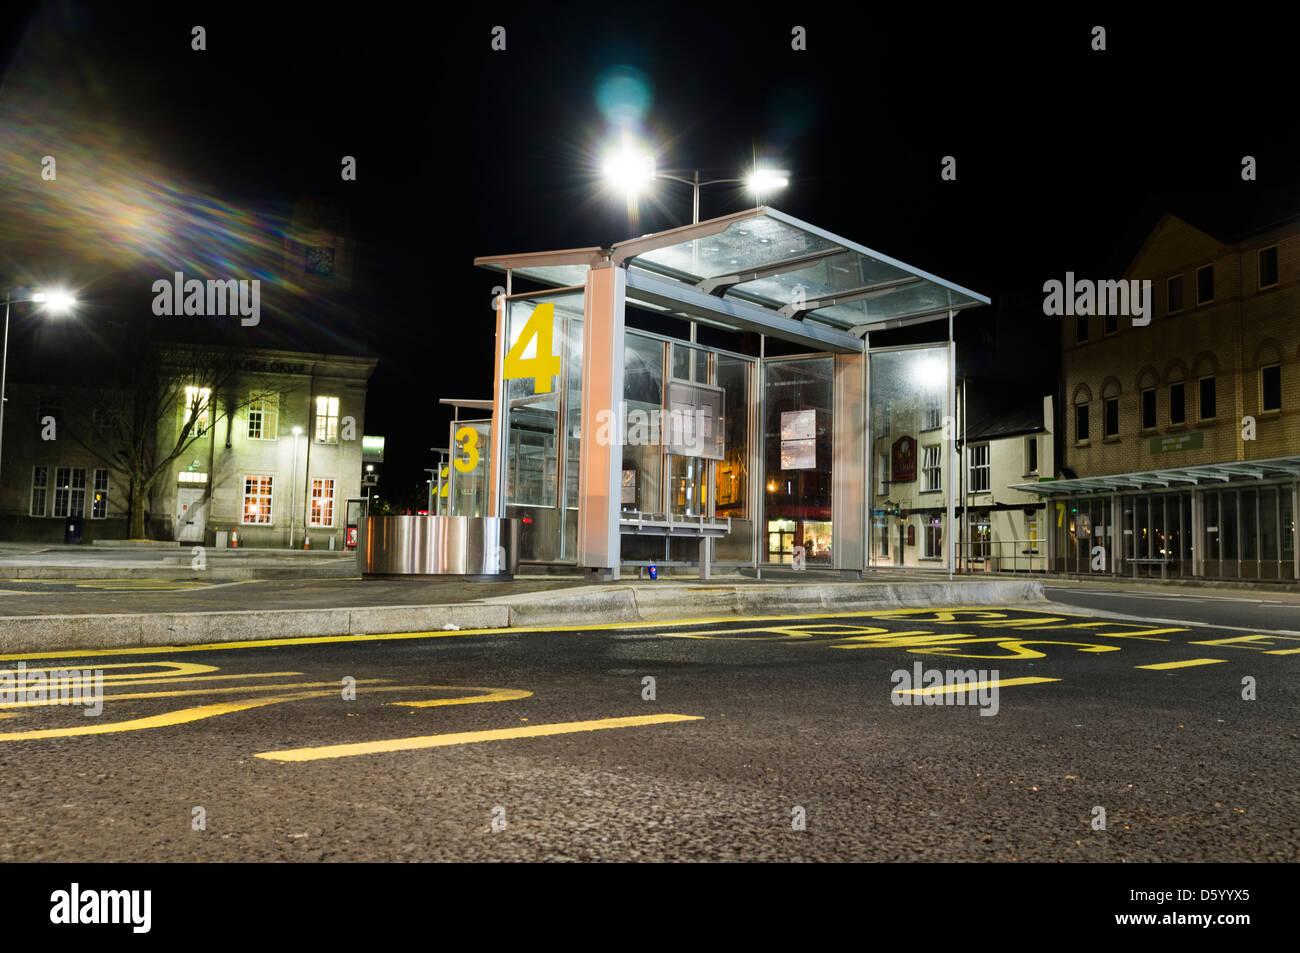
[[468, 547]]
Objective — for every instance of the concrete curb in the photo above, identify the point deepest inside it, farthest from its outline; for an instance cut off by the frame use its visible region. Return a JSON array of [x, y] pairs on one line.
[[584, 605]]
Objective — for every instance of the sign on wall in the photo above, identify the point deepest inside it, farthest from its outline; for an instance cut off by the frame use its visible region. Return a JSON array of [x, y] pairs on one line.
[[1175, 442], [902, 460]]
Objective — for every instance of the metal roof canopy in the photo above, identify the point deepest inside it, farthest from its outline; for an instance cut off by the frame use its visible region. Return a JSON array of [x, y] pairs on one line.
[[761, 270], [1203, 473]]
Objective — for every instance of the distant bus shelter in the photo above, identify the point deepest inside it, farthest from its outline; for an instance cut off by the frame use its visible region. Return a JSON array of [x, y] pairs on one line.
[[617, 447]]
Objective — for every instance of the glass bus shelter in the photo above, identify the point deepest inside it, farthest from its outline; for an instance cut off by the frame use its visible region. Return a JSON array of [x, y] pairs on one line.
[[617, 447]]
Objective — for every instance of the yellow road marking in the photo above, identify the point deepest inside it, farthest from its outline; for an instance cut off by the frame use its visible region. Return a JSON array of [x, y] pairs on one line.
[[969, 686], [182, 717], [1254, 642], [398, 636], [468, 737], [493, 695], [1187, 663], [170, 669], [90, 699]]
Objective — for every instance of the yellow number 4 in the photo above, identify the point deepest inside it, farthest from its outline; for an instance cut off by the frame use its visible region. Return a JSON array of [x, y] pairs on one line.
[[545, 364]]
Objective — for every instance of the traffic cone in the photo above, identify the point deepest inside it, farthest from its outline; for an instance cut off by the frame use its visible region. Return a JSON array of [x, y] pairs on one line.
[[234, 539], [306, 540]]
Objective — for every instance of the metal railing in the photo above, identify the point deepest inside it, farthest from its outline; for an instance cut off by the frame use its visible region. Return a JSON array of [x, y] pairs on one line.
[[1002, 555]]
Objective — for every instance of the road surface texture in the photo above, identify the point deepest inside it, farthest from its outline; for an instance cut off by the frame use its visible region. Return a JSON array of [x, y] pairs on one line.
[[762, 739]]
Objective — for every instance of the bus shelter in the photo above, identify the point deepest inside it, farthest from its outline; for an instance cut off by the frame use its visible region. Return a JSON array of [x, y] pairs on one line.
[[616, 447]]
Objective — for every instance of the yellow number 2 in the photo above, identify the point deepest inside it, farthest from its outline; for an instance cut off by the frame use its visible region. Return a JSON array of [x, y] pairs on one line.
[[469, 448], [545, 364]]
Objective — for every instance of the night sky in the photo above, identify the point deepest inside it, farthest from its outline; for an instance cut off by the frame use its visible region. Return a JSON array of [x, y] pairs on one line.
[[1065, 156]]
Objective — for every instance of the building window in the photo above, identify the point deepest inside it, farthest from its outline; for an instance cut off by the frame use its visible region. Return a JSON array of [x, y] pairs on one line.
[[1174, 294], [263, 416], [979, 468], [198, 406], [327, 420], [1270, 387], [322, 502], [48, 407], [1267, 267], [99, 502], [1080, 328], [1207, 398], [1148, 408], [70, 491], [932, 468], [1204, 285], [257, 500], [1111, 421], [1110, 324], [1177, 406], [1080, 423], [933, 540], [40, 491], [1031, 456], [101, 418], [882, 468], [933, 418]]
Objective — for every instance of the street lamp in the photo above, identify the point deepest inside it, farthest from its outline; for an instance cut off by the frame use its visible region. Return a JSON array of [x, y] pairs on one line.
[[54, 302], [629, 170]]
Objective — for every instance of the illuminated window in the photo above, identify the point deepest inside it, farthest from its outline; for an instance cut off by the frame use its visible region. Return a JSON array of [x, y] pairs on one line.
[[263, 416], [933, 539], [327, 420], [257, 499], [322, 502], [99, 502], [198, 406]]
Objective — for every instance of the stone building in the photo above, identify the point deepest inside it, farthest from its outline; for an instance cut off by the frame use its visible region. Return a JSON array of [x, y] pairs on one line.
[[1181, 437]]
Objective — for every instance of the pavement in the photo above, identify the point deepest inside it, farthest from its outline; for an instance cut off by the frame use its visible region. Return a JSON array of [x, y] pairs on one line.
[[1115, 739]]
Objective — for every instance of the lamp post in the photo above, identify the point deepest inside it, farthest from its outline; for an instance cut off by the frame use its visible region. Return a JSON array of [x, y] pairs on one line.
[[293, 484], [55, 302]]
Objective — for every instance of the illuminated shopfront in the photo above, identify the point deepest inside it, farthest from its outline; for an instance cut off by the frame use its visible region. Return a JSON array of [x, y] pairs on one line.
[[619, 447]]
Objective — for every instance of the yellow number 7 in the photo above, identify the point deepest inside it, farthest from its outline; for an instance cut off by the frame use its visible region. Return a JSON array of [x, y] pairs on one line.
[[545, 364]]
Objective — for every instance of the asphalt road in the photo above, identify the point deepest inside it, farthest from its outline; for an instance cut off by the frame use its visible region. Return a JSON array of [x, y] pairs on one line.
[[1268, 610], [754, 725]]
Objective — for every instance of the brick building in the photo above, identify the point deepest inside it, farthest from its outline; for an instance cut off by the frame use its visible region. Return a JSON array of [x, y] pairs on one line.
[[1181, 438]]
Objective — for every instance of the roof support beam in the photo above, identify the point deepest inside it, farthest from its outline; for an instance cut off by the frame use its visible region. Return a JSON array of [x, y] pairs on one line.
[[720, 285], [736, 315], [850, 295]]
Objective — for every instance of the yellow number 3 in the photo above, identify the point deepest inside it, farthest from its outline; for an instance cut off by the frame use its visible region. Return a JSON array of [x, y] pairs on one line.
[[469, 448], [545, 364]]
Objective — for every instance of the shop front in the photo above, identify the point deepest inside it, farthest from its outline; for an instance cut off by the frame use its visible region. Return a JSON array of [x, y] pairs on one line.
[[1232, 520], [618, 447]]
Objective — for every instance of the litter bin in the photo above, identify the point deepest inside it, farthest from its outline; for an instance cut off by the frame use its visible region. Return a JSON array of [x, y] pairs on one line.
[[72, 529]]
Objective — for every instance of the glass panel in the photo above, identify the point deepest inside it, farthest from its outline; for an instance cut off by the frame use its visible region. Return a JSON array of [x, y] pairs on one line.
[[643, 390], [1142, 531], [1249, 525], [687, 489], [1159, 544], [797, 449], [732, 474], [749, 243], [909, 388], [468, 490], [1228, 531], [572, 435], [1268, 523], [538, 422], [1288, 528]]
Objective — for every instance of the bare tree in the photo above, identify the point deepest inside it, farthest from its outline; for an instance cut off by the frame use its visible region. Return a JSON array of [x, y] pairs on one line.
[[160, 406]]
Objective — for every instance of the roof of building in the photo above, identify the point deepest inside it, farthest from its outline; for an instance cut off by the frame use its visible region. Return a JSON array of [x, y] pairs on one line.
[[1207, 474], [1009, 422]]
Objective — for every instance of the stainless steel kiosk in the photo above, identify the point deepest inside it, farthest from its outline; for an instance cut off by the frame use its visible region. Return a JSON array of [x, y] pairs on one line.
[[475, 548]]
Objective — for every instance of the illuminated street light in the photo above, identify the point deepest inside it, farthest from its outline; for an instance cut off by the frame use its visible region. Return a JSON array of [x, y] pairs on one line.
[[629, 169], [55, 302]]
